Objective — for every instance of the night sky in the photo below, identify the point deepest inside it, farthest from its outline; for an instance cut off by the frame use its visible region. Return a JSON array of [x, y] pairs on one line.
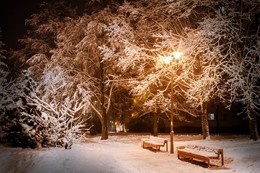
[[13, 13], [12, 16]]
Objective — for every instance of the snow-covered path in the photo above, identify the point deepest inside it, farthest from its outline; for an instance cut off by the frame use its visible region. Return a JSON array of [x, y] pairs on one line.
[[124, 154], [81, 158]]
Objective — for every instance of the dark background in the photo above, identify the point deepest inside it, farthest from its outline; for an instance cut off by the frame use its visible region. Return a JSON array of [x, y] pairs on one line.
[[13, 14]]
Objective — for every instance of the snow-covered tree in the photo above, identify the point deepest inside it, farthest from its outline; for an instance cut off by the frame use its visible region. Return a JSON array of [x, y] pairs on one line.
[[42, 29], [56, 117], [3, 76], [46, 107], [89, 43], [61, 100], [4, 97], [126, 44], [207, 33], [243, 86], [74, 46], [162, 29], [243, 69], [11, 108], [209, 52]]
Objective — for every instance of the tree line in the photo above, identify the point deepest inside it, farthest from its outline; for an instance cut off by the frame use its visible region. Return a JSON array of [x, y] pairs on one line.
[[73, 66]]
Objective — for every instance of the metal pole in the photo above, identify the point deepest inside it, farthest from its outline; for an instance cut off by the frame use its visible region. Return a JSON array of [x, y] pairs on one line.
[[172, 132]]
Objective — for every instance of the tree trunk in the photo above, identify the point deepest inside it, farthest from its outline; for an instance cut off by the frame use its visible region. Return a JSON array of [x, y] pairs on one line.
[[204, 121], [253, 130], [104, 119], [104, 132], [155, 123]]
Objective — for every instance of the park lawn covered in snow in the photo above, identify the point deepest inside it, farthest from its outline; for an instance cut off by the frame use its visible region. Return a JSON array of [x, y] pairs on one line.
[[124, 154]]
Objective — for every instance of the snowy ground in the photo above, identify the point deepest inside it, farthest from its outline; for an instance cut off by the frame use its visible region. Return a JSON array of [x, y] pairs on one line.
[[124, 154]]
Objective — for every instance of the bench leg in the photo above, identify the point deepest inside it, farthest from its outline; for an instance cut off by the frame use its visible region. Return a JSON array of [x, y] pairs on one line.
[[222, 158]]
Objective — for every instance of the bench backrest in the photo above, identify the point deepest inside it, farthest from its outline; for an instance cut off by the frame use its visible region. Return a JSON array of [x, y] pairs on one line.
[[204, 149], [208, 149], [157, 139]]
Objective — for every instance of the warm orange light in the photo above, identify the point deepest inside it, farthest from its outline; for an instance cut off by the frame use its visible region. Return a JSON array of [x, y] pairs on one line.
[[135, 101], [168, 59], [133, 114], [177, 55]]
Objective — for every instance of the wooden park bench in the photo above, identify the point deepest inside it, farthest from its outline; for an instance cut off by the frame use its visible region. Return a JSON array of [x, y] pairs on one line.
[[205, 154], [155, 143]]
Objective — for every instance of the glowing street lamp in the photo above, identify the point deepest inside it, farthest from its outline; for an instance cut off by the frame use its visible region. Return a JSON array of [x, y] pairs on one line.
[[177, 55], [167, 60]]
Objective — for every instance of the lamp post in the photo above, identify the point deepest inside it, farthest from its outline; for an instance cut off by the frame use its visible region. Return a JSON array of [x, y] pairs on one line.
[[167, 60], [172, 132]]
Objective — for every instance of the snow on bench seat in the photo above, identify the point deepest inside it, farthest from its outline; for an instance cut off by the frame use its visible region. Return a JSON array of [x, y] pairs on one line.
[[200, 153], [155, 143]]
